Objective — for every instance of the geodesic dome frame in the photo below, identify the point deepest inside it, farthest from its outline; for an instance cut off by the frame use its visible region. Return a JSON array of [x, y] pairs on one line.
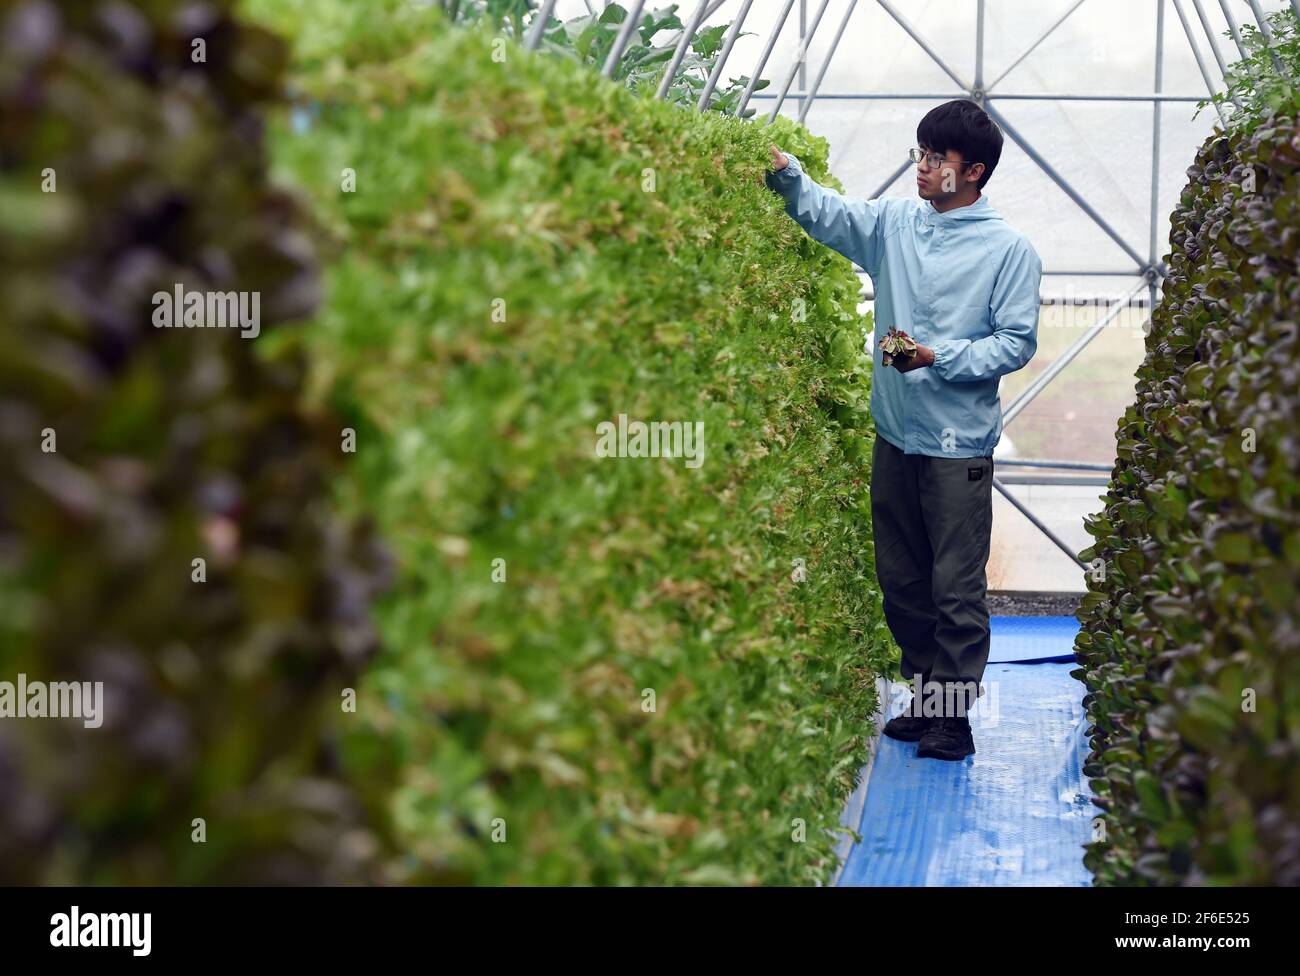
[[1195, 19]]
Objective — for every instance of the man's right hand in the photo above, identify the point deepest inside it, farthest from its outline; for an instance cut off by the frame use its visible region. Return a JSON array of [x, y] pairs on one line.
[[779, 159]]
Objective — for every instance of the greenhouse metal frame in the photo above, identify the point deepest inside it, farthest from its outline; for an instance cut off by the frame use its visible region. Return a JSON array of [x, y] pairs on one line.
[[1149, 270]]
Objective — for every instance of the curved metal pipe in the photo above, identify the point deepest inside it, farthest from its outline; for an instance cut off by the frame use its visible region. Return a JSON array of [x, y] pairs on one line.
[[538, 26], [800, 54], [817, 82], [727, 45], [762, 61], [683, 43], [620, 42]]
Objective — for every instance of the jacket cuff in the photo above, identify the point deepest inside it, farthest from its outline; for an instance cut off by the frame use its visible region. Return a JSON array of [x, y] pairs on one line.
[[945, 351], [792, 172]]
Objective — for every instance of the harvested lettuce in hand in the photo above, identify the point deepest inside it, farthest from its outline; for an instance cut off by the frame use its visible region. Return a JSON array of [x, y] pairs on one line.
[[897, 345]]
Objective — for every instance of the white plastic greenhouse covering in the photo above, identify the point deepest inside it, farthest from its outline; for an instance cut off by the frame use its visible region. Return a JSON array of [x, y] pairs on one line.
[[1071, 80]]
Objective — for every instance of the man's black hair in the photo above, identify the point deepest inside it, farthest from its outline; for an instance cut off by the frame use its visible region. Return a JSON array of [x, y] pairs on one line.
[[964, 126]]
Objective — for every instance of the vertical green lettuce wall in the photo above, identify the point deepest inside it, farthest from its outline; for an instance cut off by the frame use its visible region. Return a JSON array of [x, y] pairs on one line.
[[1189, 640], [530, 251]]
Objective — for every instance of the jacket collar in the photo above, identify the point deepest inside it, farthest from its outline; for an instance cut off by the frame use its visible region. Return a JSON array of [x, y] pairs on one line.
[[981, 209]]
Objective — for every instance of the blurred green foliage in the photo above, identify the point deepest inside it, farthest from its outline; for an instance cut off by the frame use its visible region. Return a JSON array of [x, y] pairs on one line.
[[531, 250], [1190, 645], [222, 698]]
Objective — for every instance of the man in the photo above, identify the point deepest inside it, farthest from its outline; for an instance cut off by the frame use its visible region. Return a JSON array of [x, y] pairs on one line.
[[952, 274]]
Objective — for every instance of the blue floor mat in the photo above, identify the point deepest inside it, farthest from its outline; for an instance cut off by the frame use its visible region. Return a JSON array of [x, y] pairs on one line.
[[1015, 814], [1028, 639]]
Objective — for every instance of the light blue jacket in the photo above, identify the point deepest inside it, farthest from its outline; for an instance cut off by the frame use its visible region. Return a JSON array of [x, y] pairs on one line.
[[962, 283]]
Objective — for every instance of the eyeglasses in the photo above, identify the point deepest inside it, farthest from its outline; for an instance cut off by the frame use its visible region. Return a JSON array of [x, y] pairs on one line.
[[934, 160]]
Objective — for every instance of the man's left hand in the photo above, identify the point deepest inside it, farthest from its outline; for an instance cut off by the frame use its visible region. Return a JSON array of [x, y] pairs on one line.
[[923, 357]]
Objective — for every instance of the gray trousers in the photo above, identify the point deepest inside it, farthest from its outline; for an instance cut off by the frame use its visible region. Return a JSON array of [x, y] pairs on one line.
[[932, 518]]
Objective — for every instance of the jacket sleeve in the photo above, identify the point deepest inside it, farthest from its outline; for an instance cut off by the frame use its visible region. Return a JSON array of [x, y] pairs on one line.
[[1014, 307], [855, 228]]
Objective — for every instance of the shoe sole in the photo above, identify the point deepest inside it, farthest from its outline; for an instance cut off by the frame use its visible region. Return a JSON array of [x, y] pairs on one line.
[[946, 756]]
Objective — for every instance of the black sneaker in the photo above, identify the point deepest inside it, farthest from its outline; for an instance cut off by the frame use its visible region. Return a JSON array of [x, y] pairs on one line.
[[908, 727], [947, 738]]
